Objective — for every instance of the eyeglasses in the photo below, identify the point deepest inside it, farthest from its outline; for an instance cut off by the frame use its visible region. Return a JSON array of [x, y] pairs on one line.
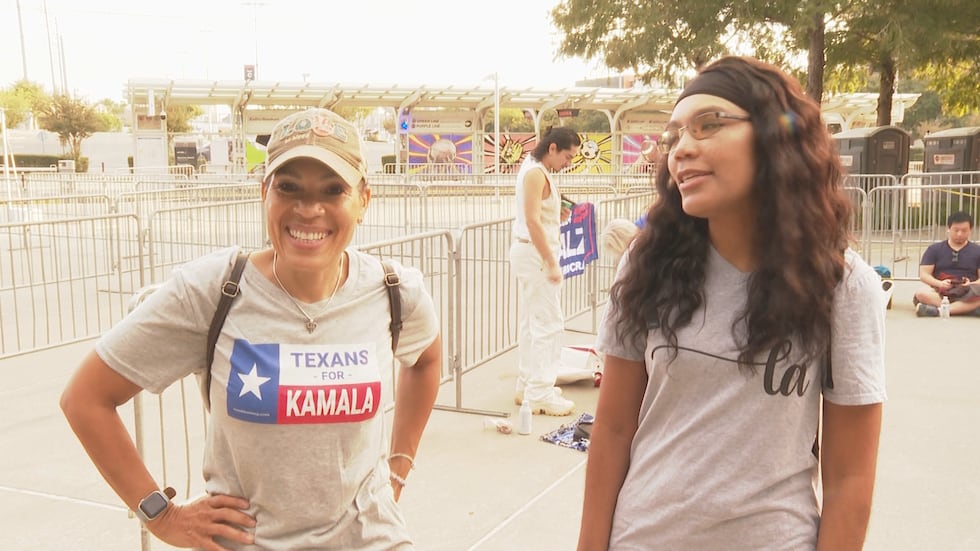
[[702, 126], [956, 257]]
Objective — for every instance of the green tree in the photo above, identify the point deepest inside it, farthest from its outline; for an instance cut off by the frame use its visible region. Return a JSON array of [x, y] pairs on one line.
[[882, 39], [956, 83], [588, 120], [22, 99], [511, 120], [72, 120], [112, 114], [179, 118], [666, 41]]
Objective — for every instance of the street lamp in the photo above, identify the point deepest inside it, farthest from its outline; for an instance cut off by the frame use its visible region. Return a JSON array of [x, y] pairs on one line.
[[496, 120], [255, 27], [496, 123]]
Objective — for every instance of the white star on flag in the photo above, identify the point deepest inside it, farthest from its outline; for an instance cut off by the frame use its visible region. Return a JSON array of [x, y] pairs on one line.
[[252, 383]]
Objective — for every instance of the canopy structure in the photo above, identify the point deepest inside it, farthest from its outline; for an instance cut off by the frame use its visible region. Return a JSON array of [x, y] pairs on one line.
[[643, 107], [861, 110]]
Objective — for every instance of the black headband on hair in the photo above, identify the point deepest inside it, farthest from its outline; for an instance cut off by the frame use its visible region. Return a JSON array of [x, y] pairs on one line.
[[716, 83]]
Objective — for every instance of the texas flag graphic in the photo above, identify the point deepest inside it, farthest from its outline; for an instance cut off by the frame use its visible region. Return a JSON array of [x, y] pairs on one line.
[[291, 384]]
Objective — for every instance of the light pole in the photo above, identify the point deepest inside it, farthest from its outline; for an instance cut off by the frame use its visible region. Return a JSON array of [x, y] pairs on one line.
[[23, 52], [496, 123], [496, 120], [255, 28]]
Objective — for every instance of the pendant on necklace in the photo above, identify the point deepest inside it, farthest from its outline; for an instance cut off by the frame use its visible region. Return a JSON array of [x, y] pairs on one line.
[[310, 325]]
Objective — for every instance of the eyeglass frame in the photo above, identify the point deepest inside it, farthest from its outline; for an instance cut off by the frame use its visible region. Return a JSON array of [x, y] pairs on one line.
[[666, 148], [956, 258]]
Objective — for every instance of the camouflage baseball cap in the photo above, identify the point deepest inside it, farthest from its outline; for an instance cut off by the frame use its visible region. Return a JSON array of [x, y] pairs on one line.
[[322, 135]]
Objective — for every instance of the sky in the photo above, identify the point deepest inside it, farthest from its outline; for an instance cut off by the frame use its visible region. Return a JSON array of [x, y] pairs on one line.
[[385, 42]]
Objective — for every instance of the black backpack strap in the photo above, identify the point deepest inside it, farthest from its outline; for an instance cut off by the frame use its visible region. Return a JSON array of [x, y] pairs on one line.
[[229, 292], [395, 301]]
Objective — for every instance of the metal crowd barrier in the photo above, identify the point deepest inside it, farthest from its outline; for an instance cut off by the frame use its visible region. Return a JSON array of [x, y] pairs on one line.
[[178, 235], [904, 220], [66, 280]]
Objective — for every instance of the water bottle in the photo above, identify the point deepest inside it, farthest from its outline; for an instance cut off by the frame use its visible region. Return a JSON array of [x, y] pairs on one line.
[[944, 308], [524, 418]]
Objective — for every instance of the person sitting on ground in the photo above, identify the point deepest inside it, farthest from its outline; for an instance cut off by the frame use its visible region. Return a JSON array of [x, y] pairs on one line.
[[950, 268]]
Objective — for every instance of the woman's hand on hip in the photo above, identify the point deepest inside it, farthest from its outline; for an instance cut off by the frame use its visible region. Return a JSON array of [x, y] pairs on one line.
[[197, 523]]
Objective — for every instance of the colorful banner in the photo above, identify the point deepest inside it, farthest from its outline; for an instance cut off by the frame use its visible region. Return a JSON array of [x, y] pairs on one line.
[[639, 153], [513, 147], [578, 240], [594, 156], [440, 154]]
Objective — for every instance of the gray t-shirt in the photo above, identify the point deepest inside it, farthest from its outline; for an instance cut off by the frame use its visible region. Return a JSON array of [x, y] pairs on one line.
[[722, 457], [297, 421]]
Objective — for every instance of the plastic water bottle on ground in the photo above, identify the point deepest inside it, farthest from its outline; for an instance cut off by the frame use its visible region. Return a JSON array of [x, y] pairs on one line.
[[524, 418], [944, 308]]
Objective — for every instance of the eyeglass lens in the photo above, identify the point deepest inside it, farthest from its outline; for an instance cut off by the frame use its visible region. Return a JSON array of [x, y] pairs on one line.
[[702, 126]]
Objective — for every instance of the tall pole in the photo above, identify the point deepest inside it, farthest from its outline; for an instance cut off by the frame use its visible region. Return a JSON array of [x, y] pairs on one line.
[[8, 159], [23, 51], [255, 28], [47, 27], [496, 122], [61, 58]]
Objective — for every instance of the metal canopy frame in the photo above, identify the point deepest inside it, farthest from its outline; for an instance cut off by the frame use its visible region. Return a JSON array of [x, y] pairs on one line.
[[149, 95], [239, 94]]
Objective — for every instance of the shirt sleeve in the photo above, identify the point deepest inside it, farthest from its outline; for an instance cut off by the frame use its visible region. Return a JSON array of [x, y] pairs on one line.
[[858, 337], [165, 337], [609, 340]]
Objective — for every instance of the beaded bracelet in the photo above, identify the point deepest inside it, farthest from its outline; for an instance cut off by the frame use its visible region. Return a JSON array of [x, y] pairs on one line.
[[399, 480], [411, 460]]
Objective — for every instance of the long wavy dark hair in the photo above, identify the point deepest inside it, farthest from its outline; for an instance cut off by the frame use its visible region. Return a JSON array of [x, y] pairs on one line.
[[801, 234]]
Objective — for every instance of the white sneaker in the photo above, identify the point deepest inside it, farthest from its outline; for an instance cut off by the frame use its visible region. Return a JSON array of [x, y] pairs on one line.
[[519, 395], [553, 405]]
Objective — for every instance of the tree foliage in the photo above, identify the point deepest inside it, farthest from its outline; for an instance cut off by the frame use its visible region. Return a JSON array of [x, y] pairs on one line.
[[667, 41], [21, 99], [72, 120], [179, 118]]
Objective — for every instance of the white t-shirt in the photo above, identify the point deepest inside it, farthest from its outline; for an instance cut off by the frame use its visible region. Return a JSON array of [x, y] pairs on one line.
[[722, 458], [297, 421]]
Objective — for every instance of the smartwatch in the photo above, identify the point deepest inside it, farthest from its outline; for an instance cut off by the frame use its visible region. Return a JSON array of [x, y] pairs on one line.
[[152, 506]]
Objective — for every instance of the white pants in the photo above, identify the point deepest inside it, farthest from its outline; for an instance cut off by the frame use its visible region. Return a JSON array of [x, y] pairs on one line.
[[539, 324]]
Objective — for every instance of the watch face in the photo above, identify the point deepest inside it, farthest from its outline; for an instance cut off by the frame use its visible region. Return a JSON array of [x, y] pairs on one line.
[[153, 504]]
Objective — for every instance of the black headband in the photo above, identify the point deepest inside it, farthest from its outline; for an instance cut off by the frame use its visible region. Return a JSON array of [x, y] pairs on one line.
[[716, 83]]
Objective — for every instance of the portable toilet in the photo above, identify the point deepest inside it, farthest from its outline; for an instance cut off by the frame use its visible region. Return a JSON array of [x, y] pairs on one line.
[[953, 150], [875, 150]]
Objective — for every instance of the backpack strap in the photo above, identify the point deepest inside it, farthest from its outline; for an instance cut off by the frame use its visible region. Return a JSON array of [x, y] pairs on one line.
[[395, 301], [229, 292]]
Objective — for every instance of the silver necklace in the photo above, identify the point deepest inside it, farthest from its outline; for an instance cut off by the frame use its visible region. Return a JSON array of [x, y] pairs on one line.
[[310, 320]]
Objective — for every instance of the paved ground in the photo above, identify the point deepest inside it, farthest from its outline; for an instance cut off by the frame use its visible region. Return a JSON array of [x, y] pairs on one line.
[[478, 490]]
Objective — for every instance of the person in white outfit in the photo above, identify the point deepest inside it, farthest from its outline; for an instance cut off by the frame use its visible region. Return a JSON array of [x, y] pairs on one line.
[[534, 260]]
